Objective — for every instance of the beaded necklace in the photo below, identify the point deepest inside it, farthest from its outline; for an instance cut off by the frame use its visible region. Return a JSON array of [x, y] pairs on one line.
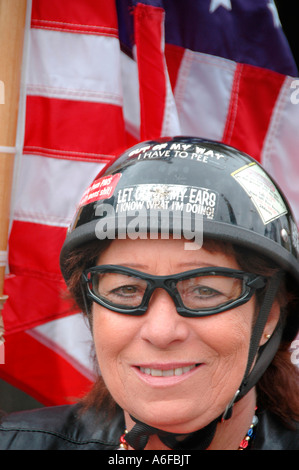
[[123, 445], [250, 434]]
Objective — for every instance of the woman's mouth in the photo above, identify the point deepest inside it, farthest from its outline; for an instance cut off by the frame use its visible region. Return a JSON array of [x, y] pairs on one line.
[[165, 375], [167, 372]]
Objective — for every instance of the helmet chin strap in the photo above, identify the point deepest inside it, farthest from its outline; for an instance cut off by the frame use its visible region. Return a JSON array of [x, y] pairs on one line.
[[199, 440], [139, 435], [267, 352]]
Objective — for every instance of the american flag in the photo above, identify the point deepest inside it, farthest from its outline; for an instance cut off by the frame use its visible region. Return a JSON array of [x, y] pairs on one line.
[[100, 76]]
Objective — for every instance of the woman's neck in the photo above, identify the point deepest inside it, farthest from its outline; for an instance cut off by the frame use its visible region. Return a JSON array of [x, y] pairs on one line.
[[230, 433]]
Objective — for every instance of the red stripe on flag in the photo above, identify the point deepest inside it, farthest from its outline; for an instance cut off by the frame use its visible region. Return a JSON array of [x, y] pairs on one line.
[[254, 94], [35, 286], [33, 301], [40, 372], [149, 40], [36, 248], [75, 130], [174, 56], [79, 16]]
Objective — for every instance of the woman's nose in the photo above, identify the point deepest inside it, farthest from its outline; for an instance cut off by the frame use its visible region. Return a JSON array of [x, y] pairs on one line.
[[162, 324]]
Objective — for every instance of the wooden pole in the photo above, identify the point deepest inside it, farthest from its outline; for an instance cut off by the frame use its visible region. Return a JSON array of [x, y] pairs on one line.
[[12, 28]]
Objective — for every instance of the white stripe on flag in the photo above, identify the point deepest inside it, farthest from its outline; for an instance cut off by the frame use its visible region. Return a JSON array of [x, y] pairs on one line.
[[203, 93], [280, 151], [70, 337], [75, 66], [131, 105], [49, 189]]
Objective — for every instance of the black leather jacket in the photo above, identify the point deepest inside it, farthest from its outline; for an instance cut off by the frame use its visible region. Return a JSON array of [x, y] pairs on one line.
[[67, 428]]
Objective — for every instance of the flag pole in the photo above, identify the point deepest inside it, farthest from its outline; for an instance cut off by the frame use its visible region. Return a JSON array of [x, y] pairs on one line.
[[12, 27]]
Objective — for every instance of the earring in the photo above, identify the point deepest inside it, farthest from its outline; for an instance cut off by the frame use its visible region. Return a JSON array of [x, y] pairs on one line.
[[267, 336]]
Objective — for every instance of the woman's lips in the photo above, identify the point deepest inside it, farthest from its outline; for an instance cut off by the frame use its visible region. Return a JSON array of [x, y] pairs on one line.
[[166, 374]]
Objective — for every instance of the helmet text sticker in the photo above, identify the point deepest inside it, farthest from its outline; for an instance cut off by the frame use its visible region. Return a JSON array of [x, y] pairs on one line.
[[191, 199], [102, 188], [193, 152], [262, 192]]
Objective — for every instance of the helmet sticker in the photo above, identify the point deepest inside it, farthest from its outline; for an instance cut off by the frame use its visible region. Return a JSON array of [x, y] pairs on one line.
[[262, 191], [194, 152], [175, 197], [102, 188], [144, 209]]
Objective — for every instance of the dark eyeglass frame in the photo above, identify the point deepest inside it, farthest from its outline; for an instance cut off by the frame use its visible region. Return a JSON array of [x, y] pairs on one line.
[[251, 282]]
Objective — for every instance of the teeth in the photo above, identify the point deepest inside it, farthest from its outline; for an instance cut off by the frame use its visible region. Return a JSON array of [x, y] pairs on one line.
[[166, 373]]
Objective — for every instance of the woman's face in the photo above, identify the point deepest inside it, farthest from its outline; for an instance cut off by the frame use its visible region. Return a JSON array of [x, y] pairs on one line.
[[172, 372]]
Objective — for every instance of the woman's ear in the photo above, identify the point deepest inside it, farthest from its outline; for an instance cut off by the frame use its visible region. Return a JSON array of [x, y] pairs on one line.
[[271, 323]]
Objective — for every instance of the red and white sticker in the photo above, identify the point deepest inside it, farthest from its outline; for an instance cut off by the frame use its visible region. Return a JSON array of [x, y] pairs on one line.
[[102, 188]]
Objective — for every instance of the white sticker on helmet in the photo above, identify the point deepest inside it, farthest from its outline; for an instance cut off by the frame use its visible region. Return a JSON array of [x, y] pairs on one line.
[[262, 191], [174, 197], [144, 210], [184, 151]]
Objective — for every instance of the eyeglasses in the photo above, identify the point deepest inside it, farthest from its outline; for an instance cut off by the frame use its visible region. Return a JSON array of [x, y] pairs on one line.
[[195, 293]]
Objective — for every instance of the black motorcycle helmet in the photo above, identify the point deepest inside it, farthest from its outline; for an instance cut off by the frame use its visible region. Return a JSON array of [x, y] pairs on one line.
[[199, 188]]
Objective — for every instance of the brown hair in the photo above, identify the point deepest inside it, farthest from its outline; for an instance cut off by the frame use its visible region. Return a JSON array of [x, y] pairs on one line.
[[277, 390]]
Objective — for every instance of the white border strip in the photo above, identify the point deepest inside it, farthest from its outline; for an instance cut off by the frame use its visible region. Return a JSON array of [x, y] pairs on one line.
[[22, 110], [5, 149]]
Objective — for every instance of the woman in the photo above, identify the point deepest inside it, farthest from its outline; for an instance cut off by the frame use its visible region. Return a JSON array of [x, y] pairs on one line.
[[184, 258]]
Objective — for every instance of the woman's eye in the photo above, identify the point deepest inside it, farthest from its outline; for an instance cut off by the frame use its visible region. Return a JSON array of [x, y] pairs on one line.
[[125, 291], [128, 290], [205, 291]]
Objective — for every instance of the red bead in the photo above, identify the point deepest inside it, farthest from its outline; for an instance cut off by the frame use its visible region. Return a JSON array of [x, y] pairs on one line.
[[122, 439], [244, 444]]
